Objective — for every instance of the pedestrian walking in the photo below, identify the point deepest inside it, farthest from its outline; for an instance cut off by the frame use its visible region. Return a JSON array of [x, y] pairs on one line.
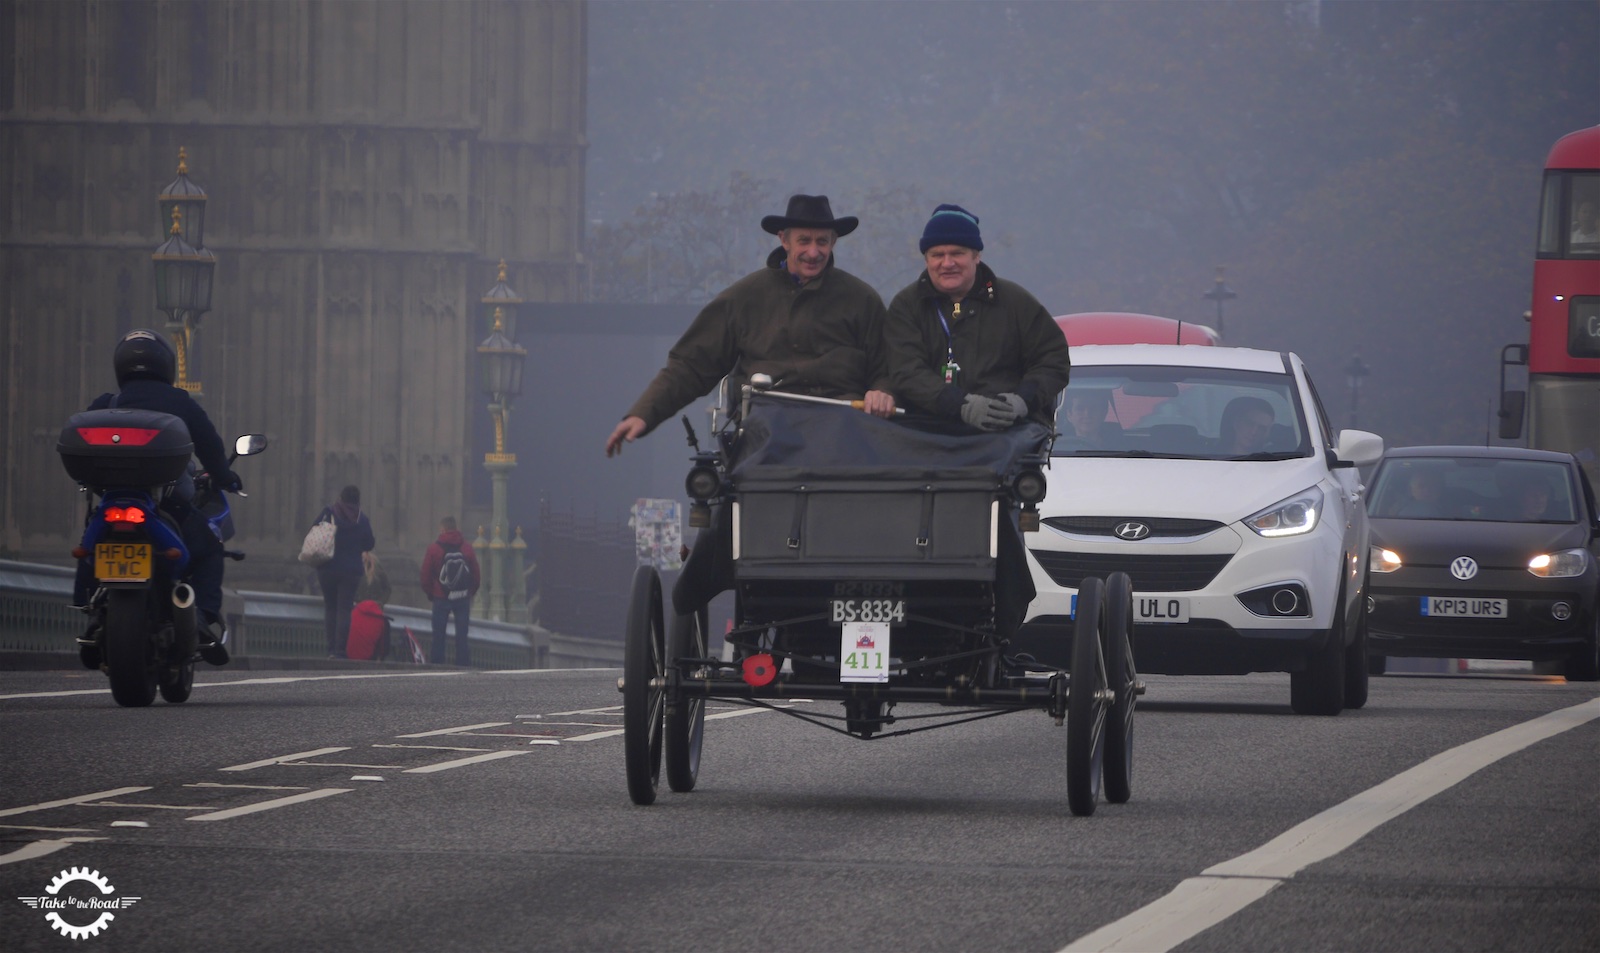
[[450, 578], [340, 575]]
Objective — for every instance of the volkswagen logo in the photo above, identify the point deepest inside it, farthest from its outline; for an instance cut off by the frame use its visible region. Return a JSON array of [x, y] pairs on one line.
[[1131, 530], [1463, 567]]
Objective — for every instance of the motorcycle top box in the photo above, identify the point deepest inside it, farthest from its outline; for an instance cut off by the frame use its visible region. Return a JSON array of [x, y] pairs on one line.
[[124, 448]]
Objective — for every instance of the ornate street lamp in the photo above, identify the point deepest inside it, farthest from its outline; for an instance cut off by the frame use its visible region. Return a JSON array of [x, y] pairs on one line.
[[181, 193], [1219, 293], [1354, 370], [183, 291], [502, 296], [501, 360]]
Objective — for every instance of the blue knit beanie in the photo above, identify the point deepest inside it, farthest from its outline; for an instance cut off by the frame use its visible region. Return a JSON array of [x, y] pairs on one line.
[[951, 225]]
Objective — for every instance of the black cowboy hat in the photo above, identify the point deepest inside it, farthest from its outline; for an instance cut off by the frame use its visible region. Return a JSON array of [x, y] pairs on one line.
[[809, 211]]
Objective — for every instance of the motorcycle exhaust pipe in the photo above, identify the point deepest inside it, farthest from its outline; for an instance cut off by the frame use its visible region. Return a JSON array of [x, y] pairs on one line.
[[183, 619]]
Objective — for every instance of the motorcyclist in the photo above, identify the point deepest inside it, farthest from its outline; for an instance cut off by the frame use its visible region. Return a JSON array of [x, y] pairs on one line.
[[146, 365]]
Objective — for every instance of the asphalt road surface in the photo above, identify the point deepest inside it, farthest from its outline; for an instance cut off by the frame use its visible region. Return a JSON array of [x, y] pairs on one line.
[[465, 811]]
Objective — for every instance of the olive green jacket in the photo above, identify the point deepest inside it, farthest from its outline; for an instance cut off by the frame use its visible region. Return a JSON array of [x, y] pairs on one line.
[[1004, 341], [823, 338]]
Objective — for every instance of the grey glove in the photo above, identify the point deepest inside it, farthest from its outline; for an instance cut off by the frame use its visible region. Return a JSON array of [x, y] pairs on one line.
[[1019, 407], [986, 413]]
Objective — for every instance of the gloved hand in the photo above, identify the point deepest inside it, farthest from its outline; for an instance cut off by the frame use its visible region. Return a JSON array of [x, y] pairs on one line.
[[228, 480], [986, 413], [1019, 407]]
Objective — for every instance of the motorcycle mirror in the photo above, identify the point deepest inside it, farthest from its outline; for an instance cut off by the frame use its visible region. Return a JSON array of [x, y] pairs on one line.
[[249, 443]]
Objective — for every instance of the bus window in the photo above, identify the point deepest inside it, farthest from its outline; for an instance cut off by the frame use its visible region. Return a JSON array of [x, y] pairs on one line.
[[1584, 233]]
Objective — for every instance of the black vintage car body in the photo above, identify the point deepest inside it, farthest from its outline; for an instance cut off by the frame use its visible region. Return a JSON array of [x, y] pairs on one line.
[[874, 563], [1485, 552]]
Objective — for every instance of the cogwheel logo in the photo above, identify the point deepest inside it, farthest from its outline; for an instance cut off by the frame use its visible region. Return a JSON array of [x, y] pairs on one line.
[[54, 903]]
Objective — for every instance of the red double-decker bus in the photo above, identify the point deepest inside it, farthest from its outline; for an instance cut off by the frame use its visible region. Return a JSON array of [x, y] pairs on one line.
[[1562, 402], [1126, 327]]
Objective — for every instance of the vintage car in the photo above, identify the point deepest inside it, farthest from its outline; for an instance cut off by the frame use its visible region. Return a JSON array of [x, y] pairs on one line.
[[1484, 552], [875, 563]]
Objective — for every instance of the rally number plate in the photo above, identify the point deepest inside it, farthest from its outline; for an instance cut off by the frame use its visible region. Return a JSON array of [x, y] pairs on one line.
[[864, 652], [867, 610], [1457, 607], [122, 562]]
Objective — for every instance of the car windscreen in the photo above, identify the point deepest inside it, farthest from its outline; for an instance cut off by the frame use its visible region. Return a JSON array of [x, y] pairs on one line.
[[1473, 488], [1202, 413]]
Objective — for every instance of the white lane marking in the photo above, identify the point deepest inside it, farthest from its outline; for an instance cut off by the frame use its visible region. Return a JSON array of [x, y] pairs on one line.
[[152, 807], [451, 731], [43, 848], [249, 787], [580, 711], [79, 691], [47, 830], [335, 764], [46, 805], [433, 747], [271, 805], [1220, 891], [596, 735], [252, 765], [463, 762], [276, 680]]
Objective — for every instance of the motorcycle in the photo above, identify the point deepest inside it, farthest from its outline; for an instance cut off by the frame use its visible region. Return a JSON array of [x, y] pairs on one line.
[[144, 630]]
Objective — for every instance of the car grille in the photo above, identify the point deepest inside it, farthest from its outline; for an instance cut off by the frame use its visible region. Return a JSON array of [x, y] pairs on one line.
[[1106, 525], [1151, 573]]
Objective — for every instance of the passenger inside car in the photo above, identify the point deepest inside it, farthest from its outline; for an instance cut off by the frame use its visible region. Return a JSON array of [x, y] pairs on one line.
[[1246, 425], [1083, 416]]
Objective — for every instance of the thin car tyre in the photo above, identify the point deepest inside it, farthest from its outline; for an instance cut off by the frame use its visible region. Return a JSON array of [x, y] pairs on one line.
[[1585, 665], [643, 671], [130, 656], [1086, 702], [1122, 677], [685, 719]]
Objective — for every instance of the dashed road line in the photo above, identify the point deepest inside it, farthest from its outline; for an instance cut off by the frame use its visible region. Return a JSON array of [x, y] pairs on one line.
[[463, 762], [249, 787], [43, 848], [432, 747], [271, 805], [252, 765], [46, 805], [451, 731]]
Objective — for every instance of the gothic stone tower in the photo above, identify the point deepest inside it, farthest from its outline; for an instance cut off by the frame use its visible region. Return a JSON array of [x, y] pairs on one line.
[[367, 163]]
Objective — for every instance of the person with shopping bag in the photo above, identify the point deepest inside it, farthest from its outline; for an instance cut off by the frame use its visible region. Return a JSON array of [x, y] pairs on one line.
[[341, 572]]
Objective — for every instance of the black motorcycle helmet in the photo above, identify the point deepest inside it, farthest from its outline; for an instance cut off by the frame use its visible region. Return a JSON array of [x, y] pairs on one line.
[[145, 353]]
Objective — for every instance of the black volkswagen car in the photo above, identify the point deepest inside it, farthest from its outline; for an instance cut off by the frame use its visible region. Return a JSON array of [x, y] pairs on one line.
[[1484, 552]]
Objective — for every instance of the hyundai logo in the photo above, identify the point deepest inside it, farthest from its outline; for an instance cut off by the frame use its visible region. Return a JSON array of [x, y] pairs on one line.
[[1464, 567], [1131, 530]]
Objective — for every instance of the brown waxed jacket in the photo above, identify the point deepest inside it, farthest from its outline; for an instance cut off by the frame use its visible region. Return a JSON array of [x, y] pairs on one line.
[[823, 338], [1004, 341]]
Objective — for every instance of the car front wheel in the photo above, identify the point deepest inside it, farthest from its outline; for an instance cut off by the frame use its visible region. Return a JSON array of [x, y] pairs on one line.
[[1319, 690]]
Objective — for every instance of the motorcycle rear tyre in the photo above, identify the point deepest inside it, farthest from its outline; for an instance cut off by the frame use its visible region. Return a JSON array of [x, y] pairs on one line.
[[177, 681], [130, 651]]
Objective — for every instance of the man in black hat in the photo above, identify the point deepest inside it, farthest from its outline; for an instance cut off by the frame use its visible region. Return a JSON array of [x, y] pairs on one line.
[[813, 328], [964, 343]]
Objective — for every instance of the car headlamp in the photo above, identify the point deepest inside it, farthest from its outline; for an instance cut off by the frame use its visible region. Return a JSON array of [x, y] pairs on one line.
[[1029, 486], [1295, 516], [1383, 560], [703, 483], [1567, 563]]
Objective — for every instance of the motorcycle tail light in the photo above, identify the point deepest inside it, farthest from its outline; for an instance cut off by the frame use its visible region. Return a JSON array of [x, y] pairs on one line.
[[114, 436], [118, 514]]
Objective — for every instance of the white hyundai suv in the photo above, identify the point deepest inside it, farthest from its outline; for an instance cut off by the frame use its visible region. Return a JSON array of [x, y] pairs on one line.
[[1212, 476]]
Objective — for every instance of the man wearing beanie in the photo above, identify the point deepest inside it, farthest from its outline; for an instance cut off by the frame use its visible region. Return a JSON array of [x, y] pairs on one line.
[[815, 329], [965, 343]]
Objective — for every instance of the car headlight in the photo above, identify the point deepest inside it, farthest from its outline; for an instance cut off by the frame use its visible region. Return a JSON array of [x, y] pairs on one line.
[[1295, 516], [1383, 560], [1568, 562]]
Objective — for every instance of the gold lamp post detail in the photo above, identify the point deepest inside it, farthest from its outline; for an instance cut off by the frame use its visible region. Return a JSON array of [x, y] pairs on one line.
[[501, 360], [183, 267]]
